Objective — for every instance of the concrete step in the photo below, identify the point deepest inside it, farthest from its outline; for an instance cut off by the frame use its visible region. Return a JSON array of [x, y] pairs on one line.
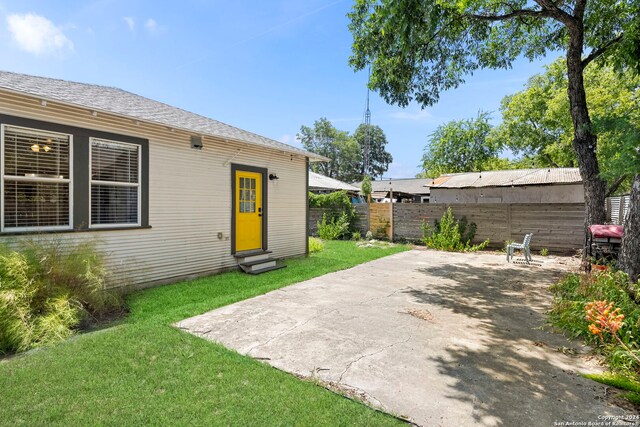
[[264, 270], [245, 257], [257, 265]]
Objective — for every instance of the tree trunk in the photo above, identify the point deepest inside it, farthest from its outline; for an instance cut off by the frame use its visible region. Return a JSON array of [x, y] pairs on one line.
[[629, 260], [584, 140]]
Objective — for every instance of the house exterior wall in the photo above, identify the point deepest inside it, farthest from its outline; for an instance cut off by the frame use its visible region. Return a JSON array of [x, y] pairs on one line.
[[558, 193], [189, 198]]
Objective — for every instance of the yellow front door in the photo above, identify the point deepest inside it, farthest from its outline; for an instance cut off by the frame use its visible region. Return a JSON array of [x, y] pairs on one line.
[[248, 210]]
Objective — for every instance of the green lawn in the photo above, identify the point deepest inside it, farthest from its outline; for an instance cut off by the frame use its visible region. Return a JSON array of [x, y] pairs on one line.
[[143, 371]]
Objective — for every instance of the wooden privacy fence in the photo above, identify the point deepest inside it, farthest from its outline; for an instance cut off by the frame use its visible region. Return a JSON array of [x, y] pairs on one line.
[[557, 227]]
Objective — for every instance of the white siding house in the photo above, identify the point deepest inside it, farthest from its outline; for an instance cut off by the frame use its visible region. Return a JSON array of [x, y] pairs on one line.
[[161, 189]]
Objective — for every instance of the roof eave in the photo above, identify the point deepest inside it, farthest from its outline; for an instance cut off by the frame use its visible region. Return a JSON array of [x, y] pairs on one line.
[[311, 156]]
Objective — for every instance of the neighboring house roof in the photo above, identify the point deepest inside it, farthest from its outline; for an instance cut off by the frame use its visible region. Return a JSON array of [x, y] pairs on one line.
[[403, 185], [508, 178], [321, 182], [117, 101]]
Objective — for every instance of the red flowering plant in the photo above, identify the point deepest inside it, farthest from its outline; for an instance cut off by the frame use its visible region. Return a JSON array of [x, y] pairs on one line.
[[606, 319]]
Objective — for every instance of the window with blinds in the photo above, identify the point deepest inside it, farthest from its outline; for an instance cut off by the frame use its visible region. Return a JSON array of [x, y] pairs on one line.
[[115, 183], [36, 179]]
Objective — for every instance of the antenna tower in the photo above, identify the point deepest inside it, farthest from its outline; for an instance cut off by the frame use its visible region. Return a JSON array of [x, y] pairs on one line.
[[367, 135]]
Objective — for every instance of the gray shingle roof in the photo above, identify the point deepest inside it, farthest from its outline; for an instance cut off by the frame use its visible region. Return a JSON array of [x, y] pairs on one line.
[[120, 102], [321, 182], [507, 178]]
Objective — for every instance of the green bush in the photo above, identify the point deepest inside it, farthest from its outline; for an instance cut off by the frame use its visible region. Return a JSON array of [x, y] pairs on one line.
[[356, 236], [366, 187], [335, 205], [47, 289], [544, 252], [315, 245], [339, 215], [334, 229], [568, 313], [449, 234]]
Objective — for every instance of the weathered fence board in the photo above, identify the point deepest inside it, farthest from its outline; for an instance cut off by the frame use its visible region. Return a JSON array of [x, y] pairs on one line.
[[557, 227]]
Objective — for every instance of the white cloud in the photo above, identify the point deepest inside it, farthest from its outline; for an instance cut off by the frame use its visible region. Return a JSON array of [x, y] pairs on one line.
[[36, 34], [416, 115], [131, 23], [151, 25]]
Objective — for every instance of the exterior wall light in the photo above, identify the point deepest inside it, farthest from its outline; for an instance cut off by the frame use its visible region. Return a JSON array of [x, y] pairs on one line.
[[273, 176]]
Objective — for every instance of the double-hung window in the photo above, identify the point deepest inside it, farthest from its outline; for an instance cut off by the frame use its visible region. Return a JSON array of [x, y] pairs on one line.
[[115, 183], [36, 179]]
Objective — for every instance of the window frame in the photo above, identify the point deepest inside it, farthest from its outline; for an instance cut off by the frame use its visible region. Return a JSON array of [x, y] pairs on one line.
[[3, 177], [137, 185]]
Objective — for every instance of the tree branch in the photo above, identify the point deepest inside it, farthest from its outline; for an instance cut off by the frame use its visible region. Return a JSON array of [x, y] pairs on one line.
[[510, 15], [553, 10], [595, 53], [614, 186]]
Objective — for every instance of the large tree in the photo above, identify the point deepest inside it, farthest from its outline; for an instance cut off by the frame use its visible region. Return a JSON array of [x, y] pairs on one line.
[[379, 157], [537, 124], [461, 146], [342, 150], [346, 151], [416, 49]]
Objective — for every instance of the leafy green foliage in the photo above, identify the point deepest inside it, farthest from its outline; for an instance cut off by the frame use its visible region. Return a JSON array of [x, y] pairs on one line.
[[324, 139], [333, 229], [544, 252], [366, 187], [621, 382], [47, 289], [346, 151], [339, 214], [574, 292], [418, 49], [356, 236], [536, 122], [315, 245], [461, 146], [379, 157], [452, 235]]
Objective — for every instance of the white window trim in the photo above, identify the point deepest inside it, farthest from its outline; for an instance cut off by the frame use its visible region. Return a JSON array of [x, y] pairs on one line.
[[68, 180], [138, 185]]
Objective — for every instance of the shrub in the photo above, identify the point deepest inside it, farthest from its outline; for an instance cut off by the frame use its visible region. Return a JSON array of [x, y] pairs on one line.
[[575, 293], [544, 252], [47, 289], [334, 229], [449, 234], [366, 187], [356, 236], [369, 235], [315, 245], [337, 207]]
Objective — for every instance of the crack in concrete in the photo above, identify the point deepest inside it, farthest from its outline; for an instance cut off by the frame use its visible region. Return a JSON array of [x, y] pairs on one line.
[[298, 325], [382, 297], [359, 358]]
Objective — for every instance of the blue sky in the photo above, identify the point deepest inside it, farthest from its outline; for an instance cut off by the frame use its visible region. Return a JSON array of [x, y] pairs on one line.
[[267, 67]]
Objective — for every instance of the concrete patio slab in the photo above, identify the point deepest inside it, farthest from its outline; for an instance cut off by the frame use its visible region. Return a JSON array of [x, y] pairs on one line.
[[438, 338]]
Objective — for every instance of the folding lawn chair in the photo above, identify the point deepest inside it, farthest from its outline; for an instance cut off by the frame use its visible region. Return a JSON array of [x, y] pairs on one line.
[[524, 247]]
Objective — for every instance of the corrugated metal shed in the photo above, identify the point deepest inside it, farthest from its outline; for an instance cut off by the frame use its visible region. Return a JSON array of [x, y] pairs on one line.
[[413, 186], [123, 103], [508, 178], [321, 182]]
